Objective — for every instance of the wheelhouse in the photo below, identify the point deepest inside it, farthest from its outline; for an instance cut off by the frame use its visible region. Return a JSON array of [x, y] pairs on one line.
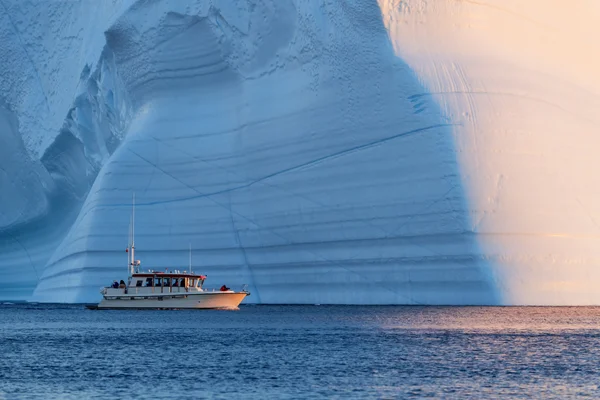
[[166, 280]]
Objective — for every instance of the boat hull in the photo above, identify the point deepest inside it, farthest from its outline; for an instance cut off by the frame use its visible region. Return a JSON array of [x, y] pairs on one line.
[[211, 300]]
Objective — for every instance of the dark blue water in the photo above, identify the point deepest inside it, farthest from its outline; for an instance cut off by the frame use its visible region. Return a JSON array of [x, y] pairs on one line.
[[67, 352]]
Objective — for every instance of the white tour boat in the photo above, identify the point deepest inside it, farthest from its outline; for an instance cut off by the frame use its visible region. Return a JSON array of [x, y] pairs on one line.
[[165, 290]]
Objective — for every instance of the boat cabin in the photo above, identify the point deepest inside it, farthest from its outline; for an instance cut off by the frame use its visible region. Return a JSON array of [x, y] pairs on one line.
[[175, 279], [154, 282]]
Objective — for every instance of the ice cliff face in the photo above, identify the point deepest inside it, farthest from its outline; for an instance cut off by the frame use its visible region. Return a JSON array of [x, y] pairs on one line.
[[57, 126], [322, 152], [521, 82]]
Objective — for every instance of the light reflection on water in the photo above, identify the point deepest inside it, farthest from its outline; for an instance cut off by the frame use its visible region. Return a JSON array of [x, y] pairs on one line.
[[501, 319], [63, 352]]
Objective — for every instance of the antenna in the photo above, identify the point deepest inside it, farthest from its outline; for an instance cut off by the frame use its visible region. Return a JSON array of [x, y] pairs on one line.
[[190, 258]]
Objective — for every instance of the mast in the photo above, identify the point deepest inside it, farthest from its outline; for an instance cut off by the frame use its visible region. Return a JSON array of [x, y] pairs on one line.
[[190, 258], [129, 260], [133, 234]]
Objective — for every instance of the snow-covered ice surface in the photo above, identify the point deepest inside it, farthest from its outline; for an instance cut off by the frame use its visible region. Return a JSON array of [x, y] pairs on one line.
[[322, 152]]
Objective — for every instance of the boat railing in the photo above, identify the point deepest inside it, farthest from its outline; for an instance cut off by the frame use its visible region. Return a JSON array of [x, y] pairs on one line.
[[147, 290], [158, 289], [110, 291]]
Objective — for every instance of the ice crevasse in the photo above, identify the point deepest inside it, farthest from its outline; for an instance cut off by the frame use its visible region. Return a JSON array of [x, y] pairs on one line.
[[357, 152]]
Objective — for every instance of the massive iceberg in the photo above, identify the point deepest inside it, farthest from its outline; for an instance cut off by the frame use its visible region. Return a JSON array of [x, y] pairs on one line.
[[357, 152]]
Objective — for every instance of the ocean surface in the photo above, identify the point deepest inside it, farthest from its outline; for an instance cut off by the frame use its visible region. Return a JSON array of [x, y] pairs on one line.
[[68, 352]]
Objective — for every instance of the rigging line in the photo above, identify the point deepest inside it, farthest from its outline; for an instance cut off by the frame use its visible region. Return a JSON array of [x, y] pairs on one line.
[[270, 230]]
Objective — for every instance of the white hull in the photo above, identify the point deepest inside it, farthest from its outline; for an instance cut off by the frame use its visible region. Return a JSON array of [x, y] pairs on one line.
[[201, 300]]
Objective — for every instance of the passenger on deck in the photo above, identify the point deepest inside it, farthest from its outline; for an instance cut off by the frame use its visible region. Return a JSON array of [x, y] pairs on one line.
[[224, 288], [115, 285], [122, 284]]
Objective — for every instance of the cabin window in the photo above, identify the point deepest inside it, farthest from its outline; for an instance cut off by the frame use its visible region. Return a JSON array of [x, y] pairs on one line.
[[192, 282], [158, 282], [167, 281], [138, 283], [148, 282]]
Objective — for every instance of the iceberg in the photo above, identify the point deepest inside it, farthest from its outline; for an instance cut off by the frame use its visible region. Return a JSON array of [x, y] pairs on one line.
[[361, 152]]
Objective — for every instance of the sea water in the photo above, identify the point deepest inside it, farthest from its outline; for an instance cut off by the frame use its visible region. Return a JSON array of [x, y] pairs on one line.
[[66, 351]]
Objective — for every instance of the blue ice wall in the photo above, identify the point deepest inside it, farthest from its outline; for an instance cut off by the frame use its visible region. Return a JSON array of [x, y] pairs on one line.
[[286, 145]]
